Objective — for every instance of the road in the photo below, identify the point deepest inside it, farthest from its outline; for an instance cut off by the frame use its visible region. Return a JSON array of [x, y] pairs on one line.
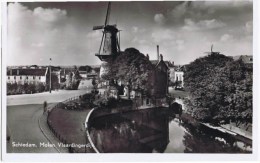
[[23, 127], [39, 98], [178, 93], [23, 113]]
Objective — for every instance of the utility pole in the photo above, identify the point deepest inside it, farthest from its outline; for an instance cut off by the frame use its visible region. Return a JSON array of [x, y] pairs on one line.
[[50, 77]]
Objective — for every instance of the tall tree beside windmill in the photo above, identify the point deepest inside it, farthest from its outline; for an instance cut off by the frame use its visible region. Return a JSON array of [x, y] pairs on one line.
[[109, 43]]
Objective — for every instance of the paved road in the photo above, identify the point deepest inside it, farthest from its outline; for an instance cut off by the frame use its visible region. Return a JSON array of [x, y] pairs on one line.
[[23, 113], [38, 98], [23, 127]]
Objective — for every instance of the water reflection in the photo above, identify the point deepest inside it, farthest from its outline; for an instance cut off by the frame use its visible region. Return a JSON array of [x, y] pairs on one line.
[[141, 131], [156, 130], [176, 135]]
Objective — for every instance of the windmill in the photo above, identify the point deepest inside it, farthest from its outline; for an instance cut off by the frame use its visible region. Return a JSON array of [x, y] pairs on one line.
[[109, 41], [211, 51]]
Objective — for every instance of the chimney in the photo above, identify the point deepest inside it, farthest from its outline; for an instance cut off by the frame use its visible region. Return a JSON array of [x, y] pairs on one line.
[[172, 63], [161, 57], [147, 56], [158, 53]]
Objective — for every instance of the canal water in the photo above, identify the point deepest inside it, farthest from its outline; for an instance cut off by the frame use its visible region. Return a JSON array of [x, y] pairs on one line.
[[156, 131]]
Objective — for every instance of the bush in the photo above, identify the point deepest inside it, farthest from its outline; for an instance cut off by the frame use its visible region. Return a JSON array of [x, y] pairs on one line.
[[14, 88], [40, 87], [106, 103]]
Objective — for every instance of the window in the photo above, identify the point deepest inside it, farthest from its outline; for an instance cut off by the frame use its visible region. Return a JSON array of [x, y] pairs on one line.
[[33, 77], [14, 77], [147, 101], [26, 77], [8, 77], [21, 78], [250, 59], [39, 78]]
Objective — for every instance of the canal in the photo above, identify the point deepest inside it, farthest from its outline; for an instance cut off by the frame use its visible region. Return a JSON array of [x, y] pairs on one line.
[[158, 131]]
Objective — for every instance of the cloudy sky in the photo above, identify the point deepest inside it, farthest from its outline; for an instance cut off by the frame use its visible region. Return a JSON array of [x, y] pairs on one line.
[[184, 30]]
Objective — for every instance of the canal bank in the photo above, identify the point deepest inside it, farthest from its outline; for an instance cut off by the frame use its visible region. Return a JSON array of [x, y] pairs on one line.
[[239, 132], [222, 134]]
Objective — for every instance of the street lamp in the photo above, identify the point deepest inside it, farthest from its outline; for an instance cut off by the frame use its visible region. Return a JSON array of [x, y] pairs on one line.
[[50, 76]]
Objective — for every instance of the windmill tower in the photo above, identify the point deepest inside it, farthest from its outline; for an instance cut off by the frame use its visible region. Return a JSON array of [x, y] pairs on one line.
[[109, 43]]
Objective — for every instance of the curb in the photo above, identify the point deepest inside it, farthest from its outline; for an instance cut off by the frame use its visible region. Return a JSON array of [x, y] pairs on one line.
[[88, 135], [46, 135]]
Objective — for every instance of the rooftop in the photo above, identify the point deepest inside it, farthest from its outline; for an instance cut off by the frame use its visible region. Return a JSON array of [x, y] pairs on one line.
[[27, 72], [245, 58]]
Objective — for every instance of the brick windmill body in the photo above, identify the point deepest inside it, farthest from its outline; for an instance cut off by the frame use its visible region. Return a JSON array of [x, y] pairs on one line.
[[109, 43]]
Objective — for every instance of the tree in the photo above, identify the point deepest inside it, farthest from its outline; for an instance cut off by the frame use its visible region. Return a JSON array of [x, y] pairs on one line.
[[39, 87], [20, 89], [131, 67], [31, 88], [73, 79], [220, 88]]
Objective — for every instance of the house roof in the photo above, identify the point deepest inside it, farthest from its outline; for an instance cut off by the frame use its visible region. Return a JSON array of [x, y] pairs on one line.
[[179, 68], [82, 72], [155, 63], [27, 72], [169, 64], [247, 58]]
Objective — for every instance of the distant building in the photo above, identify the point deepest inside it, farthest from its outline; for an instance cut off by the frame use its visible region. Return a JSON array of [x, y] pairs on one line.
[[27, 75], [171, 72], [92, 74], [87, 72], [56, 73], [83, 74], [178, 76], [64, 73], [247, 59]]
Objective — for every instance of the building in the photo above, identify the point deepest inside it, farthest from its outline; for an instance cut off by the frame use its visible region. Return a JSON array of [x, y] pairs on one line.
[[88, 72], [93, 74], [171, 72], [159, 80], [56, 74], [247, 59], [27, 75], [178, 76]]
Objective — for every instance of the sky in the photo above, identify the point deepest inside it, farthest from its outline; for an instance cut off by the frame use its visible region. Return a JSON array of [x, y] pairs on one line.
[[184, 30]]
